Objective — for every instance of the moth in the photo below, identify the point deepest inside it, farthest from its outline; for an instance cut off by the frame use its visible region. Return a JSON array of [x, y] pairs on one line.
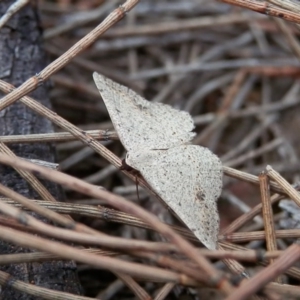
[[158, 138]]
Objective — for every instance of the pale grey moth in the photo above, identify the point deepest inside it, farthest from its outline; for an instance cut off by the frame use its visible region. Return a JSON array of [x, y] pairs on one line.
[[157, 139]]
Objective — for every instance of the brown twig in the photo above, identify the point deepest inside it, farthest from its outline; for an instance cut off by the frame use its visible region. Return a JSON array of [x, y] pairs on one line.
[[126, 206], [33, 82]]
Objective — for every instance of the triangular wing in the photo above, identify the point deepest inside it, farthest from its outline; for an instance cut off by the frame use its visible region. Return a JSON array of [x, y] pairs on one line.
[[189, 179], [140, 123]]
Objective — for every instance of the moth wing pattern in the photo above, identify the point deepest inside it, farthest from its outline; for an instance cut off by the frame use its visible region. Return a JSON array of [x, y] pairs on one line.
[[140, 123], [189, 179]]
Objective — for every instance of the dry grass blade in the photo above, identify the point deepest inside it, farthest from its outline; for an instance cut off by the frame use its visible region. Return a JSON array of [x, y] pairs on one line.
[[121, 204], [56, 119], [31, 179], [102, 135], [33, 82], [67, 252], [254, 284], [287, 4], [293, 272], [43, 256], [267, 213], [165, 290], [14, 8], [292, 192], [235, 68], [264, 7], [250, 178], [36, 291], [83, 235], [135, 287]]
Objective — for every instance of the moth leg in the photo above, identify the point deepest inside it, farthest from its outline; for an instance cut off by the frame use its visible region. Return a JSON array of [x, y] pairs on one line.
[[126, 167], [134, 172]]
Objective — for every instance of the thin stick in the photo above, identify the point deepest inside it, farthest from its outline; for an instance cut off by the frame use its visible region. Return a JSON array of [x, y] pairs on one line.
[[258, 281], [242, 220], [268, 215], [30, 178], [68, 252], [264, 7], [284, 184], [164, 291], [250, 178], [33, 82], [124, 205], [134, 286], [37, 291], [14, 8]]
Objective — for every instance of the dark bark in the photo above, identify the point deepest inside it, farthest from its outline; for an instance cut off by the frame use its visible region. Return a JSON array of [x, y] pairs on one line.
[[22, 56]]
